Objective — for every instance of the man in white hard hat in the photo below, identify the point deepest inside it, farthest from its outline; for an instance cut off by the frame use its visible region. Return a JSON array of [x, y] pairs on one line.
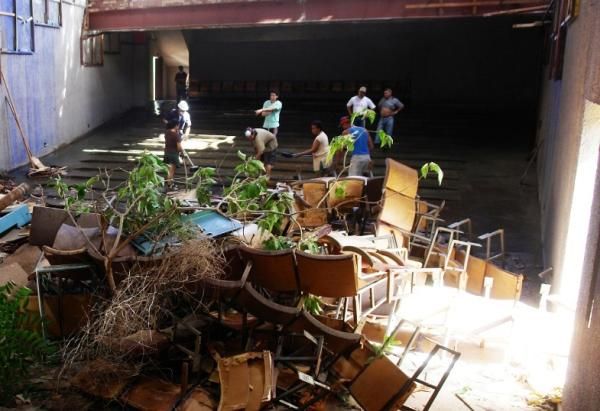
[[265, 146], [182, 116], [185, 121]]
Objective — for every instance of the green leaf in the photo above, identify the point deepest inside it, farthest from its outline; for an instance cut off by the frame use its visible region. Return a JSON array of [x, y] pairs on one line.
[[424, 170], [340, 190], [369, 115], [435, 168], [385, 139]]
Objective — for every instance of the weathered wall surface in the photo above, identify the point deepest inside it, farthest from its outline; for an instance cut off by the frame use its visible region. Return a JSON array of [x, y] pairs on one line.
[[568, 170], [59, 100], [562, 113]]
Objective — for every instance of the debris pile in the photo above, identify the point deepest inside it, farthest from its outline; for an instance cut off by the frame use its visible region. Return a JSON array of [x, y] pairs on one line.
[[246, 297]]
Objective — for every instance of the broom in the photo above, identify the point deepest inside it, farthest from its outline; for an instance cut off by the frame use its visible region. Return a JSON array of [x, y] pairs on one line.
[[35, 163]]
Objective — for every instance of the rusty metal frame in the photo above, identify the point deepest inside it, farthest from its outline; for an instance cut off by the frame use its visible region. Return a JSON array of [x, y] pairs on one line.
[[97, 40]]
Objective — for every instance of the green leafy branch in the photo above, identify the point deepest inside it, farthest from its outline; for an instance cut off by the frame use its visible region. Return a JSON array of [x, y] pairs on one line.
[[20, 346], [433, 168], [366, 114], [385, 139]]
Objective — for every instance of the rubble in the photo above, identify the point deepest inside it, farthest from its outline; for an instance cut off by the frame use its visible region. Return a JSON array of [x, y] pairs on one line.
[[157, 316]]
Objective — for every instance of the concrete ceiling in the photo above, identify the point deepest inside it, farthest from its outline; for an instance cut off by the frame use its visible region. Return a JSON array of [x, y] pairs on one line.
[[172, 48]]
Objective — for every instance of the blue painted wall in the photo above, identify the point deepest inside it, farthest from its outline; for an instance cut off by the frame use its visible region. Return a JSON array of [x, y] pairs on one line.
[[59, 100]]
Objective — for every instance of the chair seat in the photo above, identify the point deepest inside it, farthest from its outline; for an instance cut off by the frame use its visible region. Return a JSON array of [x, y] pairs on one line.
[[413, 263], [235, 320], [364, 283]]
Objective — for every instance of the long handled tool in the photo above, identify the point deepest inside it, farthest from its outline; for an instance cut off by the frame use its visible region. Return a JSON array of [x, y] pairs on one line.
[[193, 167], [35, 162]]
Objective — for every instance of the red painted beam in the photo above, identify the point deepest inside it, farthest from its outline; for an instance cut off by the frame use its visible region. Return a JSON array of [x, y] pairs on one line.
[[248, 13]]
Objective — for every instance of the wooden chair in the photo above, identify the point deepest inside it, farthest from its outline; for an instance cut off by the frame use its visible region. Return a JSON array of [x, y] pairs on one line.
[[311, 206], [252, 302], [372, 206], [341, 277], [403, 210], [270, 316], [401, 179], [272, 270], [345, 198], [222, 293], [336, 339], [365, 369]]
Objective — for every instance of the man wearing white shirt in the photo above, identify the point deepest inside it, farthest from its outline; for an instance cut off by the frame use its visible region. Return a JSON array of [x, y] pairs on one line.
[[319, 150], [358, 104]]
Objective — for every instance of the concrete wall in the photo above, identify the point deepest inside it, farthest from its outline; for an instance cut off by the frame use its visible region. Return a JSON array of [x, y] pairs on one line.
[[457, 61], [568, 172], [567, 158], [59, 100]]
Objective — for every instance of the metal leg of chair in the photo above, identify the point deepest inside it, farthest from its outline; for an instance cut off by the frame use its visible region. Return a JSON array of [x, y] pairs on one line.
[[356, 303], [40, 301]]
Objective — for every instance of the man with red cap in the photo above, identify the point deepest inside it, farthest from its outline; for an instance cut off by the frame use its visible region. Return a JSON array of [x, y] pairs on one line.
[[363, 144]]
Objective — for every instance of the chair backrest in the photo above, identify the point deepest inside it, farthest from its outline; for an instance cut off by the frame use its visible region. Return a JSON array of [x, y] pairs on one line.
[[328, 275], [475, 269], [393, 387], [398, 210], [46, 221], [401, 178], [374, 189], [346, 193], [234, 264], [336, 341], [507, 285], [313, 192], [259, 306], [274, 270]]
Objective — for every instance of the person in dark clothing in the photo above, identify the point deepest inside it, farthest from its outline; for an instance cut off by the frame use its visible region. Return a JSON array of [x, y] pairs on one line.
[[173, 150], [181, 84]]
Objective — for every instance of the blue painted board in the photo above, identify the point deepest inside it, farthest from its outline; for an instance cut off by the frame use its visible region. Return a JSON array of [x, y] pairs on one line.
[[212, 223], [18, 217]]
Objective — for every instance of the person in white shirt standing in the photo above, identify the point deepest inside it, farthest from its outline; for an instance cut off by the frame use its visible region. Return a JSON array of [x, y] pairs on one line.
[[319, 150], [359, 104]]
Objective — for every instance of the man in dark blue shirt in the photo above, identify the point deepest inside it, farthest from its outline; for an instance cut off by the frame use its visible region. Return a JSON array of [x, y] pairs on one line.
[[361, 155]]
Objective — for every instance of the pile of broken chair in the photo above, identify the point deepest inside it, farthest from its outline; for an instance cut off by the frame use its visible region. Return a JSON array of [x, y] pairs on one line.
[[259, 337], [440, 276], [253, 344]]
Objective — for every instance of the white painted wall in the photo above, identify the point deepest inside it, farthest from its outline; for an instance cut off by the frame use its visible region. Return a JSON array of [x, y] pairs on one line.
[[59, 100]]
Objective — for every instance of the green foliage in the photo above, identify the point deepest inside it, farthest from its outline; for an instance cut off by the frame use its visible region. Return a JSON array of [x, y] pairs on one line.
[[309, 245], [19, 347], [74, 195], [143, 196], [204, 181], [248, 196], [340, 190], [432, 167], [338, 144], [385, 139], [276, 243], [249, 167], [312, 304], [367, 114], [388, 342]]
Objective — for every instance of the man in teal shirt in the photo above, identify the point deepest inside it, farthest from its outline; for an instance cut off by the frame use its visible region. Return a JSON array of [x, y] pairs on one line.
[[270, 111]]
